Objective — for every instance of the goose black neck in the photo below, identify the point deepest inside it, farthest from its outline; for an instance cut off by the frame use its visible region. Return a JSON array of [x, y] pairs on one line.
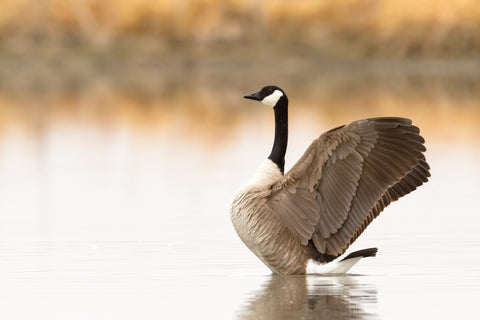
[[281, 133]]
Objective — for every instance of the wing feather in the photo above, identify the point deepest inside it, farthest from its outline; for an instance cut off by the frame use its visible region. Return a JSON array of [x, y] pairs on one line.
[[346, 178]]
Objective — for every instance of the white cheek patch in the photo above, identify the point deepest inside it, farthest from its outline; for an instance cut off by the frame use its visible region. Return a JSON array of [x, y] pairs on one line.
[[272, 99]]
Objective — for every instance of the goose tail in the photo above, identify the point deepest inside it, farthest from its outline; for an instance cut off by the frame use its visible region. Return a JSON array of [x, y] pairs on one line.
[[340, 266], [364, 253]]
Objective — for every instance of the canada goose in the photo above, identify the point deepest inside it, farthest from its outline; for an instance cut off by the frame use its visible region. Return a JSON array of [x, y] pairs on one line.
[[342, 182]]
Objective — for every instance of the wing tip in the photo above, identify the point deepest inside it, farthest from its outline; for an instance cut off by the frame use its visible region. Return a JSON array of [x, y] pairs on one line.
[[401, 120]]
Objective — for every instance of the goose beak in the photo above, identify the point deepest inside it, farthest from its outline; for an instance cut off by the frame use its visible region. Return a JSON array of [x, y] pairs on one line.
[[253, 96]]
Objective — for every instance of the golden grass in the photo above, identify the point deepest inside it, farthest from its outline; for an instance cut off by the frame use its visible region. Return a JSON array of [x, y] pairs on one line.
[[395, 27]]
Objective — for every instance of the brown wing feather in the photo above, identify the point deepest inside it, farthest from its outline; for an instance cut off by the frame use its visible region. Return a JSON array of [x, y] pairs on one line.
[[409, 183], [345, 179]]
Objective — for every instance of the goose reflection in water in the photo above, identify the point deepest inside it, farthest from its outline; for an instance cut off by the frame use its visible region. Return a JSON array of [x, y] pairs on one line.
[[311, 297]]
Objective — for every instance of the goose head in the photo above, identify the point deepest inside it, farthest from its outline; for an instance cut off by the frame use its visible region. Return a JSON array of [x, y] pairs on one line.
[[269, 95]]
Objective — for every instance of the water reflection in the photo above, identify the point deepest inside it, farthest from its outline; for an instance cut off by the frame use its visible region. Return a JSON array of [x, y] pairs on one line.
[[134, 185], [212, 111], [312, 297]]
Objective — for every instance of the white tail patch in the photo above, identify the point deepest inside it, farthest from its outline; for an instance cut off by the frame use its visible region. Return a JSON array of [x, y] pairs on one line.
[[334, 267], [272, 99]]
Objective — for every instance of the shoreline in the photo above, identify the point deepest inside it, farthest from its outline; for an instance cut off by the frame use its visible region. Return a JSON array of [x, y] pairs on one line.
[[138, 63]]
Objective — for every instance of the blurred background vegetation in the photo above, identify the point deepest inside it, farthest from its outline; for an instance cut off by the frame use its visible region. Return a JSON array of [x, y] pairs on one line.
[[141, 59], [361, 28]]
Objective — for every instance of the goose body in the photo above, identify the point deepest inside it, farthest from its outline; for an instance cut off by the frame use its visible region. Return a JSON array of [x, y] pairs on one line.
[[341, 183]]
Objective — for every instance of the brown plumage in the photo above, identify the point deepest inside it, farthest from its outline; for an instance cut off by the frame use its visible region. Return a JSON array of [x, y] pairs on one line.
[[342, 182]]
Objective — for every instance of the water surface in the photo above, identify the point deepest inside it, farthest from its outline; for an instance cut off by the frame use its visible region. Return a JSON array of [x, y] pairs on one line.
[[114, 203]]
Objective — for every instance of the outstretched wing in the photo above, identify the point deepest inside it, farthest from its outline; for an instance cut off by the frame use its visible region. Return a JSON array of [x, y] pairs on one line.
[[345, 179]]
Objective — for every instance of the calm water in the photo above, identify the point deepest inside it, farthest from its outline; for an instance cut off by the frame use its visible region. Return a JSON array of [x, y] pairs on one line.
[[114, 204]]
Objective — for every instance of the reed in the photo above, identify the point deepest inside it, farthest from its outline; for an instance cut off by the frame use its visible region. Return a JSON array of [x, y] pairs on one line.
[[366, 27]]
